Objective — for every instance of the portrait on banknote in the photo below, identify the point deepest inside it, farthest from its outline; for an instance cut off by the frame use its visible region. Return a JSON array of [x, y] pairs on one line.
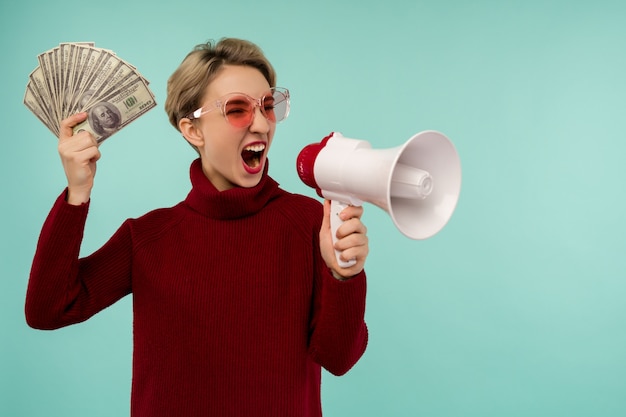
[[104, 119]]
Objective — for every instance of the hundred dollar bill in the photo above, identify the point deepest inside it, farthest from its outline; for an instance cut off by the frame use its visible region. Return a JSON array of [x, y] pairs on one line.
[[39, 97], [116, 111], [33, 103], [46, 84]]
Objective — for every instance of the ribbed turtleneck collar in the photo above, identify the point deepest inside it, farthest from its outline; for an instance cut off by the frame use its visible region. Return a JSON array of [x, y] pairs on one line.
[[229, 204]]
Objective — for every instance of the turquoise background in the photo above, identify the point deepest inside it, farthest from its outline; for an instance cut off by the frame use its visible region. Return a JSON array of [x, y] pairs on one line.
[[516, 308]]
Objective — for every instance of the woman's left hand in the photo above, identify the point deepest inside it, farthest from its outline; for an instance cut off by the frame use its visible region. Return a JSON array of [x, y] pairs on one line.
[[352, 241]]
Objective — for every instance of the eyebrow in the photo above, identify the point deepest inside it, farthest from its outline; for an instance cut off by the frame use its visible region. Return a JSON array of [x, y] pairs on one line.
[[237, 99]]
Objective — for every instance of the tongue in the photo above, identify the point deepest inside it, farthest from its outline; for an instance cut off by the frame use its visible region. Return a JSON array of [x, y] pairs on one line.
[[252, 159]]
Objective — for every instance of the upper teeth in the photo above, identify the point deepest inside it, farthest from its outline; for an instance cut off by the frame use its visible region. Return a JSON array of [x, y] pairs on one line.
[[259, 147]]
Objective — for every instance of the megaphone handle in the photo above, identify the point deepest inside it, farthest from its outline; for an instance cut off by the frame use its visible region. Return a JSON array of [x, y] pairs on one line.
[[337, 207]]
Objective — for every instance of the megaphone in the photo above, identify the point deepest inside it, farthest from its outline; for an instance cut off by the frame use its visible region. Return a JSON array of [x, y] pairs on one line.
[[417, 183]]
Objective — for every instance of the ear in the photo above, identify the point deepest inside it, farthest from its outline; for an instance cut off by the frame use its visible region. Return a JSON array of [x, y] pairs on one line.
[[191, 132]]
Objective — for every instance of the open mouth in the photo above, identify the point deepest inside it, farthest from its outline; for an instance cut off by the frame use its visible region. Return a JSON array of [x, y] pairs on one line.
[[252, 154]]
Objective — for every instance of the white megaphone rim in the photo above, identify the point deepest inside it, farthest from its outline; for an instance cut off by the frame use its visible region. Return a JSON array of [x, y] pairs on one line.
[[433, 152]]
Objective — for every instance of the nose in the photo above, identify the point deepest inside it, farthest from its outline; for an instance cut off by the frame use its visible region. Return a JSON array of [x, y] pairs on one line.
[[260, 123]]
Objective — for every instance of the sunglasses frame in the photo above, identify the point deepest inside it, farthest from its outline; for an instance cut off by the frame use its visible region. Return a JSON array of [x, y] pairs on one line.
[[256, 102]]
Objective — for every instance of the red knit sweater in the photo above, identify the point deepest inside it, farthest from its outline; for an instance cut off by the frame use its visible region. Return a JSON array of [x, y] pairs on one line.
[[234, 308]]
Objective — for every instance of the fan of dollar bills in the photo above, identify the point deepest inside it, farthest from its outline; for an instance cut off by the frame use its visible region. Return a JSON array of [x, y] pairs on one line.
[[77, 76]]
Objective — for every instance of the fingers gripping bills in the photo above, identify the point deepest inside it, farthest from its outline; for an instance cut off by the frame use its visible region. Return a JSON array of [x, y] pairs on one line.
[[79, 77]]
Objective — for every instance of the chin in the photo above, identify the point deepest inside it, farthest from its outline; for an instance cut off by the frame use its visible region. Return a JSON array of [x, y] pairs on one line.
[[248, 181]]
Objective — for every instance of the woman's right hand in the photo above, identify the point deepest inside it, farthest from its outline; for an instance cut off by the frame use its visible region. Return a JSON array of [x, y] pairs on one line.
[[79, 153]]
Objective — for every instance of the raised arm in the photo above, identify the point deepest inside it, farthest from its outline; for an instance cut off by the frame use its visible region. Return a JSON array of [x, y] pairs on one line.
[[64, 289]]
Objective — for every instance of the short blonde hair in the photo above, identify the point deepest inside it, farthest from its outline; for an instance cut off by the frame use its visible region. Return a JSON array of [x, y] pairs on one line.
[[187, 85]]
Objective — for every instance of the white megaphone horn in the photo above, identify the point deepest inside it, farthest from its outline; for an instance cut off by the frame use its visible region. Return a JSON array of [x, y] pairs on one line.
[[417, 183]]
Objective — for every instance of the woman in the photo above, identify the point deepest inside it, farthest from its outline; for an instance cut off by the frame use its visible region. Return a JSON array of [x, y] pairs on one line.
[[238, 298]]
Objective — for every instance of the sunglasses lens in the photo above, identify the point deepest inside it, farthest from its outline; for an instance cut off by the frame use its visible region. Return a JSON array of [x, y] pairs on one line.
[[239, 111], [280, 106]]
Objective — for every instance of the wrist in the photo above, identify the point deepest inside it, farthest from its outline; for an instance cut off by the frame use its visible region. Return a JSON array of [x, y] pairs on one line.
[[77, 197], [340, 277]]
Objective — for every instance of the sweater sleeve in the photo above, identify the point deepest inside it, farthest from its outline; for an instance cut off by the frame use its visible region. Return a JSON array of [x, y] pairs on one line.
[[64, 289], [340, 334]]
